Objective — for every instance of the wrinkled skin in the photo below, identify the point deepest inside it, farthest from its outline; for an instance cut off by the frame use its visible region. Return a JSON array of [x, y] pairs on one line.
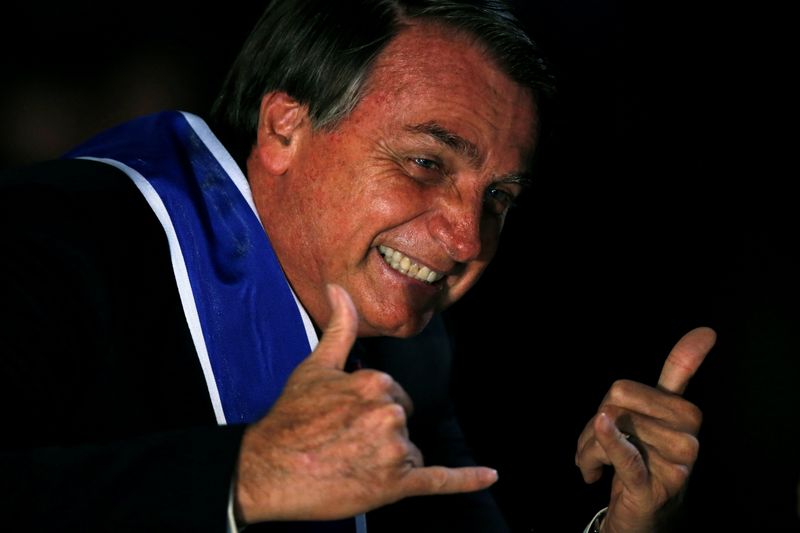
[[424, 164], [649, 436], [335, 444]]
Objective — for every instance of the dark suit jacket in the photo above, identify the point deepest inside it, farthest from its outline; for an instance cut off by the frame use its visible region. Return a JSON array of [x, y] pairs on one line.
[[108, 421]]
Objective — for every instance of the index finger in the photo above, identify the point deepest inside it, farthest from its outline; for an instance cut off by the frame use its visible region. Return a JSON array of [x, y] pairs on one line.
[[685, 358]]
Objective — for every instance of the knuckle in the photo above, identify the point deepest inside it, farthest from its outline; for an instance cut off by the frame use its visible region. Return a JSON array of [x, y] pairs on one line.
[[397, 450], [372, 382], [676, 475], [689, 449], [394, 414], [695, 416], [385, 416], [620, 390]]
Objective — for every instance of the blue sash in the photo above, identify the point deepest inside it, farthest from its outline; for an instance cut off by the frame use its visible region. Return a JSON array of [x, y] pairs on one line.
[[248, 328]]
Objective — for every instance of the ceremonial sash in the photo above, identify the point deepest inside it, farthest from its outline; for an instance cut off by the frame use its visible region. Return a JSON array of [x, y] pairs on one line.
[[248, 328]]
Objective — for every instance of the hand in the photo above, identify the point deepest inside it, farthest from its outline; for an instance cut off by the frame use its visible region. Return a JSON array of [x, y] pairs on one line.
[[336, 444], [649, 436]]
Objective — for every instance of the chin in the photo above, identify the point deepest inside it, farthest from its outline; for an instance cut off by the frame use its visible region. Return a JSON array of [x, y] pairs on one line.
[[407, 327]]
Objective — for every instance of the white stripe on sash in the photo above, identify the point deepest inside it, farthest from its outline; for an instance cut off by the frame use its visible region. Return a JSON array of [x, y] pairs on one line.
[[181, 277], [225, 160]]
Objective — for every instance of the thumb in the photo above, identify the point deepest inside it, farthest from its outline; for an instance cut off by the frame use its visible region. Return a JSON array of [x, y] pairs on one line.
[[338, 337], [685, 358]]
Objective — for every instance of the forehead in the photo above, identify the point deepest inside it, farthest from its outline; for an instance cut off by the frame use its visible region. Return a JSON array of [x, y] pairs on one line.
[[428, 73]]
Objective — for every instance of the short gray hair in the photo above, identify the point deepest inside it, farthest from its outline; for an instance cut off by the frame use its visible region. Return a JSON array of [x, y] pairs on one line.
[[320, 52]]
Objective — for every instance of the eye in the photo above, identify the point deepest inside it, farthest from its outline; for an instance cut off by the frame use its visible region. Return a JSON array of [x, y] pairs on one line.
[[498, 201], [427, 164], [425, 170]]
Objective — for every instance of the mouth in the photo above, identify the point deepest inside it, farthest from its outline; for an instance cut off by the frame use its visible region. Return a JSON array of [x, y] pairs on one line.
[[408, 267]]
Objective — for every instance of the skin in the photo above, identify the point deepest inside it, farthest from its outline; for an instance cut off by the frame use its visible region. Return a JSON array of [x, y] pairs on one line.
[[329, 199], [335, 444], [425, 164], [652, 465]]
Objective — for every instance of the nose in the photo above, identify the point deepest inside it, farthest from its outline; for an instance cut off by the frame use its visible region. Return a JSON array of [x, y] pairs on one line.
[[457, 226]]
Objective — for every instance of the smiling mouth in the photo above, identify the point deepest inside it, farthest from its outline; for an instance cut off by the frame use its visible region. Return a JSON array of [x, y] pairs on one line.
[[403, 264]]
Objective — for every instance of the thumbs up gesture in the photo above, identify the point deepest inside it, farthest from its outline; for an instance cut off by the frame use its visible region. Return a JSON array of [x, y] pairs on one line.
[[335, 444], [649, 436]]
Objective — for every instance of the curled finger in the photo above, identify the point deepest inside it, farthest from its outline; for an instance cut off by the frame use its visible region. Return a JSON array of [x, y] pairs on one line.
[[622, 452], [590, 456]]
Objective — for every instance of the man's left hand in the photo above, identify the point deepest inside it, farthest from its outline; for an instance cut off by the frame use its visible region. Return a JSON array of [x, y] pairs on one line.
[[649, 435]]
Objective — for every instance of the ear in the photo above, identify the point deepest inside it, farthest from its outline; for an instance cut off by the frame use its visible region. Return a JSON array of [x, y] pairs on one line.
[[281, 123]]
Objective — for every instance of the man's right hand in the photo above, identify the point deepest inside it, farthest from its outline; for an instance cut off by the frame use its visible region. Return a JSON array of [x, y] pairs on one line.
[[335, 444]]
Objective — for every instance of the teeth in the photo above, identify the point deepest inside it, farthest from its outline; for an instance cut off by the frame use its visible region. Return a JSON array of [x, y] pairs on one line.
[[404, 265]]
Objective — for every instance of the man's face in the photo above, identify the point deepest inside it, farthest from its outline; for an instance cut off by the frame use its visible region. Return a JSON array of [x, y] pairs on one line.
[[403, 202]]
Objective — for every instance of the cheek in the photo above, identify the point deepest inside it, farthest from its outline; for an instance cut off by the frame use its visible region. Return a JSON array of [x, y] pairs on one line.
[[351, 210], [390, 198], [393, 203], [469, 277]]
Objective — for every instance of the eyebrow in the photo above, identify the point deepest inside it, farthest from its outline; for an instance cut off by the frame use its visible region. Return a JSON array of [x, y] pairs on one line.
[[523, 180], [452, 140]]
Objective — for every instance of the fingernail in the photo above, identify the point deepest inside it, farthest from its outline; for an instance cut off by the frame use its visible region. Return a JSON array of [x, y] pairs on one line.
[[605, 421]]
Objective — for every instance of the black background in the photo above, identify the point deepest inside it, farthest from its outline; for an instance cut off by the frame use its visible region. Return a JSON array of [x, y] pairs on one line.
[[659, 205]]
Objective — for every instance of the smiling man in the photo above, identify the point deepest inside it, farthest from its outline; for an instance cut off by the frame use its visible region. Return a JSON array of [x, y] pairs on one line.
[[402, 202], [168, 282]]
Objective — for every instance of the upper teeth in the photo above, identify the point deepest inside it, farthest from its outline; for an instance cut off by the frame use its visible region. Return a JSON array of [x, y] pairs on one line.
[[404, 264]]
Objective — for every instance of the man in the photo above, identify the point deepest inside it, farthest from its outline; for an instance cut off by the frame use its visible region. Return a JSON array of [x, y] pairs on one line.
[[165, 297]]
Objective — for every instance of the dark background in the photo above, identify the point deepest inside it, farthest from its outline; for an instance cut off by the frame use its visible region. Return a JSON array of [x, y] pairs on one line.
[[657, 207]]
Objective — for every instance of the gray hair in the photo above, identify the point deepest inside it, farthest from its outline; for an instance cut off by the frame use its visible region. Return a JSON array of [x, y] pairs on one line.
[[320, 52]]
